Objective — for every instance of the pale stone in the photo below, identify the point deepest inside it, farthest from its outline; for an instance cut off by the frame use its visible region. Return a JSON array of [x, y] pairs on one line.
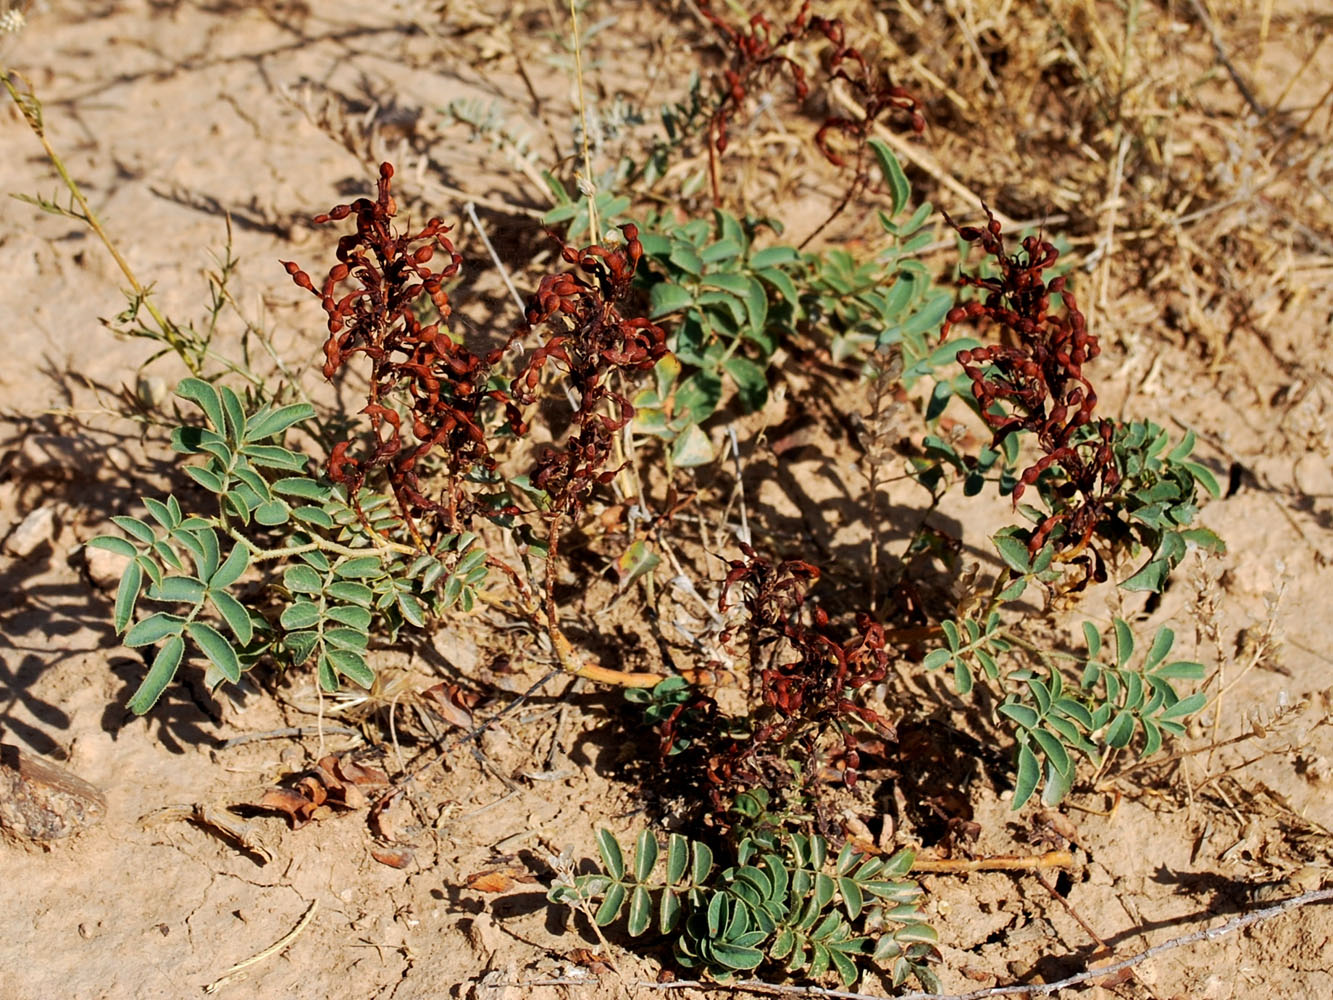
[[104, 568], [42, 801], [32, 532]]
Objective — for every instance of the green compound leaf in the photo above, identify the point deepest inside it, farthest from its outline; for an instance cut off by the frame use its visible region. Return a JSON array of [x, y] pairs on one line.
[[612, 858], [750, 380], [677, 858], [772, 256], [1180, 670], [666, 298], [640, 911], [1186, 706], [412, 610], [756, 304], [216, 648], [161, 513], [127, 594], [267, 425], [1024, 715], [328, 677], [235, 414], [272, 457], [177, 589], [1161, 645], [845, 967], [234, 614], [352, 665], [1029, 772], [668, 911], [351, 616], [852, 899], [272, 513], [936, 659], [154, 628], [1121, 730], [237, 562], [352, 593], [1054, 751], [899, 188], [113, 543], [206, 397], [1124, 642], [299, 615], [611, 904], [1013, 551], [1093, 638], [303, 488], [735, 956], [1150, 578], [159, 675], [698, 396], [206, 478], [302, 580], [202, 544], [133, 527], [314, 515], [346, 638], [359, 568]]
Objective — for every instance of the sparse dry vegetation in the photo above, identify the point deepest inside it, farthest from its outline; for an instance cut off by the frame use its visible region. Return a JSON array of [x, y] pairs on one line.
[[819, 495]]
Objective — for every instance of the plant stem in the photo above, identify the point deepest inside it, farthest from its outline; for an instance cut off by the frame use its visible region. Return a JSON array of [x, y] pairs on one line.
[[32, 114], [591, 192], [564, 650], [1026, 862], [321, 545]]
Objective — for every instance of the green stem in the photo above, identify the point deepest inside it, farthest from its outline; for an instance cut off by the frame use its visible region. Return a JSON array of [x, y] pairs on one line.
[[318, 545], [31, 109]]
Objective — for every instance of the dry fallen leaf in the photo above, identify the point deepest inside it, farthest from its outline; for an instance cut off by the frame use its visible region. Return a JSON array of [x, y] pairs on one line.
[[452, 704], [395, 858], [333, 781], [297, 807], [352, 771], [591, 961], [391, 818], [499, 879]]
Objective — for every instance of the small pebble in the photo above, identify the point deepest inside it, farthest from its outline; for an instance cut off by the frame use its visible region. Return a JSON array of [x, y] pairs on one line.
[[104, 568], [32, 532]]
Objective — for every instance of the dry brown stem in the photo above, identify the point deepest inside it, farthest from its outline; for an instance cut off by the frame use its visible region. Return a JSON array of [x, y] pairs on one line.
[[1003, 863]]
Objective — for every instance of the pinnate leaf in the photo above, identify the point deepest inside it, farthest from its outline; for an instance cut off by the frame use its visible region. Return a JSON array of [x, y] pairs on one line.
[[159, 675]]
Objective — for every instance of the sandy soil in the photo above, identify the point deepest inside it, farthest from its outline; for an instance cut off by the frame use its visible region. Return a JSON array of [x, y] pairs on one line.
[[172, 114]]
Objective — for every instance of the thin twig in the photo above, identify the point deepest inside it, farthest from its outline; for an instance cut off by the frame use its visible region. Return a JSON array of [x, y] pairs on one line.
[[919, 157], [1220, 51], [1087, 928], [591, 192], [740, 483], [471, 210], [437, 749], [287, 733], [1027, 862], [32, 115], [1034, 989], [272, 949]]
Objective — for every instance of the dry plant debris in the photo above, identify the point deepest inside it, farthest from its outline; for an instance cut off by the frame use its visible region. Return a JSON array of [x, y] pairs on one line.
[[641, 486]]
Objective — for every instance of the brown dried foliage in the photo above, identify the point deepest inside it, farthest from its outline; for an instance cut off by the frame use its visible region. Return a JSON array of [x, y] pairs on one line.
[[333, 781], [806, 680], [445, 384], [1032, 380], [756, 59], [590, 343], [430, 394]]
